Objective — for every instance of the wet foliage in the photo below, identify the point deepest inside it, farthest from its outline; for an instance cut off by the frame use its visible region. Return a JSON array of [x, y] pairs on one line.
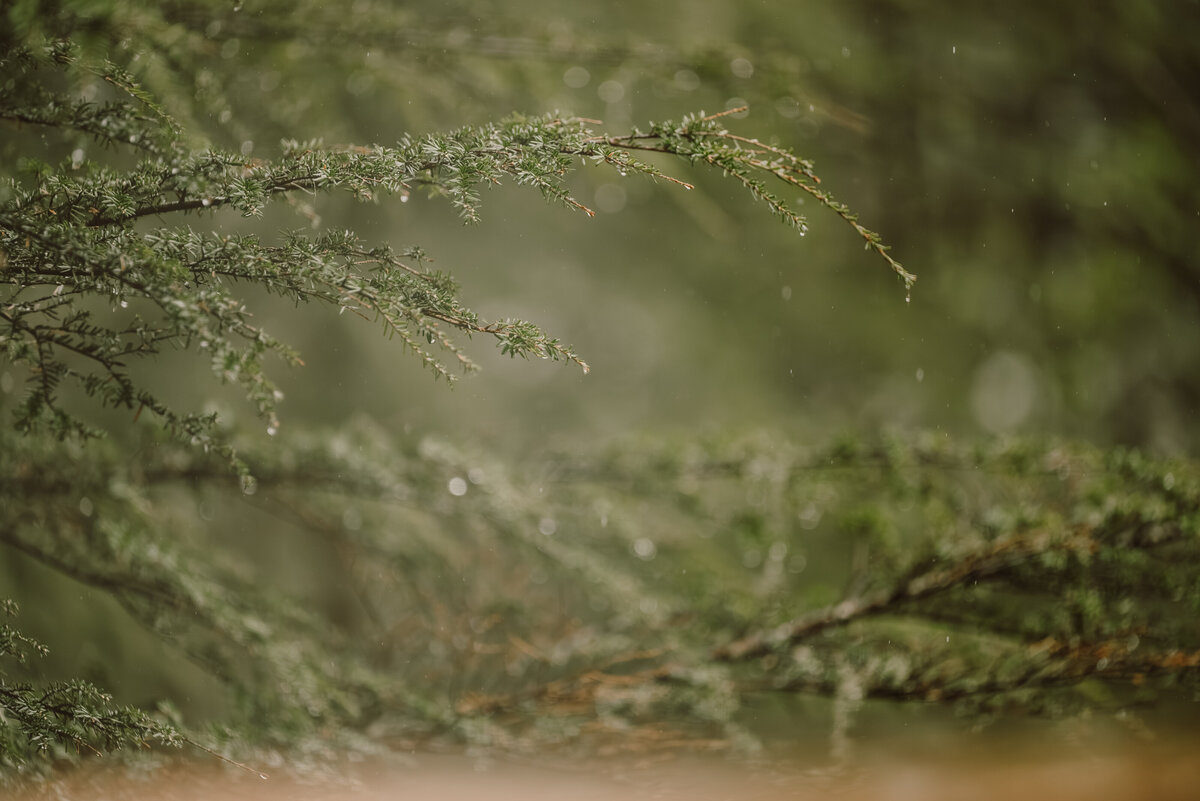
[[366, 588]]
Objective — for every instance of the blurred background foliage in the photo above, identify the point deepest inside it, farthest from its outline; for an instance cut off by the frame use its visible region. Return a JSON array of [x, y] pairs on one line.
[[1034, 165]]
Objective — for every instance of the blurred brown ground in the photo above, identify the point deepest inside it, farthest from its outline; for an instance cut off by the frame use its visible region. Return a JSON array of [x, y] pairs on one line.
[[1144, 777]]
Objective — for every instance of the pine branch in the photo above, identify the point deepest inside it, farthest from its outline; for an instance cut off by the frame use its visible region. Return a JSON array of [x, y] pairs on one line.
[[989, 562], [70, 233], [72, 714], [700, 138], [1048, 665]]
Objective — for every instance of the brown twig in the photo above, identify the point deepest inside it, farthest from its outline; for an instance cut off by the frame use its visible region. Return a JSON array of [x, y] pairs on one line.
[[987, 561]]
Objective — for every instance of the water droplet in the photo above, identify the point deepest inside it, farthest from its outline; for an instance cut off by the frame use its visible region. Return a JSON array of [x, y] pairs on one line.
[[645, 548], [457, 486], [206, 202], [547, 526], [576, 77], [810, 517], [271, 431], [611, 91], [787, 107], [741, 67]]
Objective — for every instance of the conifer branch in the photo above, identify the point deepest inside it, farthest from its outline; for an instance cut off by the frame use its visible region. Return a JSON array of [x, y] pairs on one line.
[[1049, 665], [700, 138], [67, 714], [988, 562], [69, 234]]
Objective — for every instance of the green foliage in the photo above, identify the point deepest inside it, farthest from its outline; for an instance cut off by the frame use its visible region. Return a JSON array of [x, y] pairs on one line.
[[518, 606], [63, 719], [642, 592], [68, 240], [90, 291]]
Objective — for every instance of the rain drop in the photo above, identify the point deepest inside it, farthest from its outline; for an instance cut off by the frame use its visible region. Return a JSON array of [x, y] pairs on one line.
[[576, 77], [741, 67], [644, 548], [611, 91]]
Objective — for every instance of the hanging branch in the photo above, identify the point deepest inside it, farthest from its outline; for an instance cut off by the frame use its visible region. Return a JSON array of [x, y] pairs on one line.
[[67, 236], [702, 139]]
